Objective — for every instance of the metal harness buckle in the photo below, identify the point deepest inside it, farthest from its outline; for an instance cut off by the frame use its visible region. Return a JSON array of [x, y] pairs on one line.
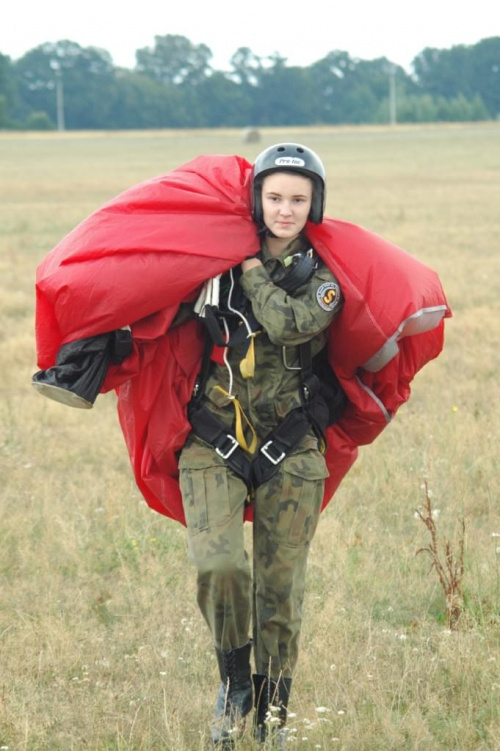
[[265, 451], [233, 446], [285, 361]]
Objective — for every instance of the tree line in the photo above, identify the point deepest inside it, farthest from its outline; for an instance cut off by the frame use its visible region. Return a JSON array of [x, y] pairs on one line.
[[173, 85]]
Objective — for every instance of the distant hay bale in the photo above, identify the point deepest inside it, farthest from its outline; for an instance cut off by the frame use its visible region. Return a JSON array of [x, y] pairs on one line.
[[251, 135]]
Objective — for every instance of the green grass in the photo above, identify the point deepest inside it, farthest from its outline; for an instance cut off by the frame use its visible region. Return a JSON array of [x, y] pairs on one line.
[[102, 646]]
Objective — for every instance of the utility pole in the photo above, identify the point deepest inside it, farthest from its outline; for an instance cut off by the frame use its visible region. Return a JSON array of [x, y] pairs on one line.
[[392, 95], [56, 67]]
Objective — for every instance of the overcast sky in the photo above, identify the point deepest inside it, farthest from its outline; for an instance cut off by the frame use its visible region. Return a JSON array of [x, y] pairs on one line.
[[298, 30]]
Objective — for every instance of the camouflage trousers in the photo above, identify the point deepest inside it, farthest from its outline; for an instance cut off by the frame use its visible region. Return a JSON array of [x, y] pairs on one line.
[[286, 512]]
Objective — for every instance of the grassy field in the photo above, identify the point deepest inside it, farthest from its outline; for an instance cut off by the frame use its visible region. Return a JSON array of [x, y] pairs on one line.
[[101, 644]]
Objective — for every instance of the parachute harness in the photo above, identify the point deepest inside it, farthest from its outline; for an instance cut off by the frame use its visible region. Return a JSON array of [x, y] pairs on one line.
[[247, 364], [279, 443], [207, 307], [240, 415]]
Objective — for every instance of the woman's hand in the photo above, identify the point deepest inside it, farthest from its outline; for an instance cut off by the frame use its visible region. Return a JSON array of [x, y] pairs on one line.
[[250, 263]]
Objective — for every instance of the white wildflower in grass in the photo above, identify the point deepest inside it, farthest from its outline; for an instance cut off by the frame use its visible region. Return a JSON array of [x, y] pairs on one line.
[[163, 672], [495, 534], [341, 712], [434, 513], [323, 709], [291, 715]]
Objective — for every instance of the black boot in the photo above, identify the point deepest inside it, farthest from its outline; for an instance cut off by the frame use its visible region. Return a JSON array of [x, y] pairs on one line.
[[271, 702], [234, 700]]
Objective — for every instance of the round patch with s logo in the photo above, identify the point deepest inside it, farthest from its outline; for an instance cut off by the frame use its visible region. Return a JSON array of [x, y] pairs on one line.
[[328, 295]]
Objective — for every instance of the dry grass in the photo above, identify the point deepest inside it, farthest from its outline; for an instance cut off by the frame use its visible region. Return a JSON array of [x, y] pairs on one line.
[[447, 559], [102, 646]]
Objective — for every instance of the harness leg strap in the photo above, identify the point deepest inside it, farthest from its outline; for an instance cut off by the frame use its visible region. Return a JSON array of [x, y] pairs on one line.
[[212, 431], [279, 444]]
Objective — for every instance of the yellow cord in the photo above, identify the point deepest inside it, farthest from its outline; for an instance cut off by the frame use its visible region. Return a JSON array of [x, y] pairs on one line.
[[240, 419], [247, 365]]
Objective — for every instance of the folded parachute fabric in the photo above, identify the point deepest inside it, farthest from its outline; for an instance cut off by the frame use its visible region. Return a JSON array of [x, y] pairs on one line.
[[138, 258], [135, 259]]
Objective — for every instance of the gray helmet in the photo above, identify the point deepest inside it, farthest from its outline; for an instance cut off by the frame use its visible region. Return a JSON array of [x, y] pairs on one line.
[[290, 157]]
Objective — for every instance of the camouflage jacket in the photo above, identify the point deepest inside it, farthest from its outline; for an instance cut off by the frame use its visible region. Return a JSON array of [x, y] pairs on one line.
[[286, 321]]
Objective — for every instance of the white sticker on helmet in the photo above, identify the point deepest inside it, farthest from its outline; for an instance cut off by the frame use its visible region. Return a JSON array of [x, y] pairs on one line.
[[289, 161]]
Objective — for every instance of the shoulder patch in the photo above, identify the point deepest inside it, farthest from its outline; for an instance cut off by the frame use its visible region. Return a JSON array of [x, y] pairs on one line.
[[328, 295]]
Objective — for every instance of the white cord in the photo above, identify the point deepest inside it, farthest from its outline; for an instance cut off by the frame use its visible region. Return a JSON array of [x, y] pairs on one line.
[[226, 361], [233, 310]]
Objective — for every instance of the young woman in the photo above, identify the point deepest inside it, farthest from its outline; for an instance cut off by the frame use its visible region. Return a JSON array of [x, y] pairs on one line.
[[257, 439], [265, 392]]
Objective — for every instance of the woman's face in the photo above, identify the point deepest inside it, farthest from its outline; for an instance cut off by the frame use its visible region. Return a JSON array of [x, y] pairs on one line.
[[286, 202]]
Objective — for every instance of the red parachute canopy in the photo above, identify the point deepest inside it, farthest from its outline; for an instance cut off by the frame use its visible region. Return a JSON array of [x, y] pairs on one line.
[[134, 261]]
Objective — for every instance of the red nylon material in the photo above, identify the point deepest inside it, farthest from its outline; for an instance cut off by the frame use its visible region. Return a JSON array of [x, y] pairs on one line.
[[138, 257]]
